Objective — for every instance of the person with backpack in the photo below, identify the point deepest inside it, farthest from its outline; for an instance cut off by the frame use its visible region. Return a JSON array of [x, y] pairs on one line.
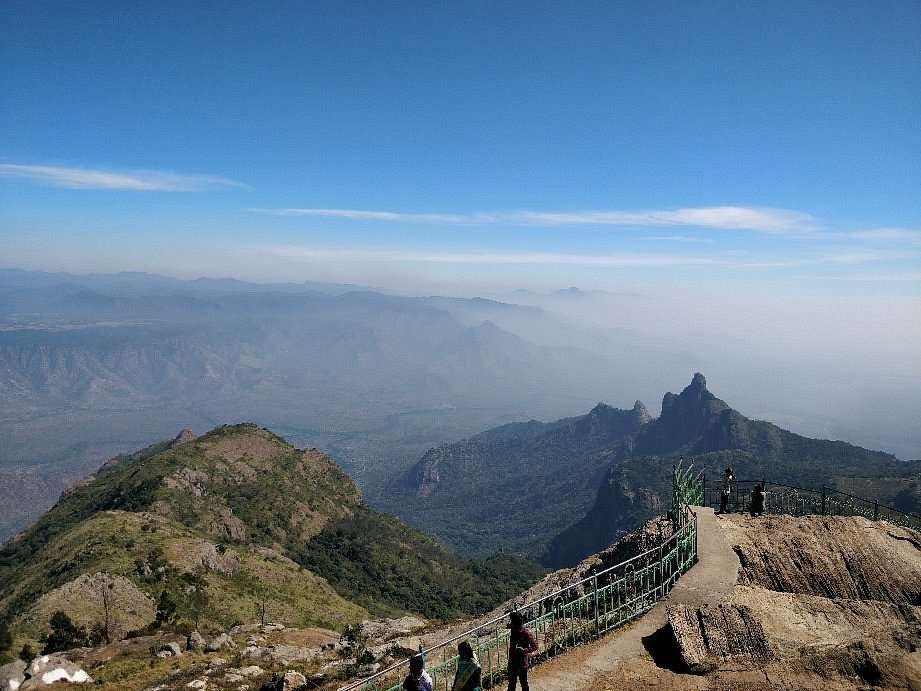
[[521, 645]]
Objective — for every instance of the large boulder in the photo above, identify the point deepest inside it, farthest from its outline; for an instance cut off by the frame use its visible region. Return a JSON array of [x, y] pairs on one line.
[[706, 636], [171, 649], [289, 681], [194, 641], [50, 669], [12, 675], [219, 643], [292, 680]]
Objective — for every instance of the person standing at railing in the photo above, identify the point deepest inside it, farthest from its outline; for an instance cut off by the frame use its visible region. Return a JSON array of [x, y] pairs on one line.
[[724, 499], [469, 675], [726, 490], [757, 506], [521, 645]]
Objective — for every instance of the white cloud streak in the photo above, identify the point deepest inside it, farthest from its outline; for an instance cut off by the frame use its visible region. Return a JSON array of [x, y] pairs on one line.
[[764, 220], [357, 214], [909, 235], [623, 259], [682, 238], [135, 180], [608, 260], [866, 256]]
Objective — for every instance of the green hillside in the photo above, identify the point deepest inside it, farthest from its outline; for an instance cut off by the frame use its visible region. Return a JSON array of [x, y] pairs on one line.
[[540, 481], [700, 426], [224, 523], [529, 478]]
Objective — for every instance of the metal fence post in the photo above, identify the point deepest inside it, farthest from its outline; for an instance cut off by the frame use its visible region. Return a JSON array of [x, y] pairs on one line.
[[876, 509], [823, 500], [696, 558], [595, 599]]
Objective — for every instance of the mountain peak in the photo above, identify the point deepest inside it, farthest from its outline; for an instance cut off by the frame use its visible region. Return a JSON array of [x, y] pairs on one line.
[[641, 412], [186, 435], [668, 400], [699, 381]]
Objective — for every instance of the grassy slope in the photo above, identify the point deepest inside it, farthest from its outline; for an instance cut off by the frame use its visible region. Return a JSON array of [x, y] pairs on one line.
[[243, 490]]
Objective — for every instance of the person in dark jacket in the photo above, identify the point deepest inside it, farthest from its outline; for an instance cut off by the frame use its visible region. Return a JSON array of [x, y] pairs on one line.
[[757, 507], [521, 645]]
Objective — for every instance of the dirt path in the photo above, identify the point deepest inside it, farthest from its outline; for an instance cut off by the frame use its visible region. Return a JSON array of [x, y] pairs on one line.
[[710, 580]]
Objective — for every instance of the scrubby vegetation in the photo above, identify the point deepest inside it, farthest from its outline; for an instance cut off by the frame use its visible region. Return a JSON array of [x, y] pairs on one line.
[[229, 527], [64, 634], [6, 642], [375, 559]]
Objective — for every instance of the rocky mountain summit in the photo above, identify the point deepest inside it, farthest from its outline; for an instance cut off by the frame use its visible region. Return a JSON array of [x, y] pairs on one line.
[[820, 603], [206, 532], [562, 490]]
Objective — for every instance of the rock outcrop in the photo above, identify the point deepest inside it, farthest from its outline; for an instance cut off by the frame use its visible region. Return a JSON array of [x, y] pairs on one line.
[[708, 636], [843, 558], [46, 670]]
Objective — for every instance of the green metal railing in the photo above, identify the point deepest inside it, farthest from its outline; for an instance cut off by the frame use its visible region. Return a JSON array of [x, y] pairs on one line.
[[574, 614], [799, 501]]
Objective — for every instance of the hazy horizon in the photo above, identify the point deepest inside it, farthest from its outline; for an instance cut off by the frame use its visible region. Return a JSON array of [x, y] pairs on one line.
[[740, 181]]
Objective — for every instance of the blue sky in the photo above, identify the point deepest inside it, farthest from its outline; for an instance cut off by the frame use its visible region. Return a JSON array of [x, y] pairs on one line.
[[494, 144]]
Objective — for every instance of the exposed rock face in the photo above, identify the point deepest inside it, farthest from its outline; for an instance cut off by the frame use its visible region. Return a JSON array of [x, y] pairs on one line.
[[707, 636], [218, 559], [187, 480], [293, 680], [617, 501], [194, 641], [171, 649], [688, 420], [12, 675], [227, 526], [49, 669], [183, 437], [427, 476], [836, 557], [821, 603], [756, 638], [83, 599], [219, 643]]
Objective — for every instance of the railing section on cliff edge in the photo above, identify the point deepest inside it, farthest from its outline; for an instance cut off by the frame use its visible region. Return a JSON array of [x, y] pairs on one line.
[[799, 501], [575, 614]]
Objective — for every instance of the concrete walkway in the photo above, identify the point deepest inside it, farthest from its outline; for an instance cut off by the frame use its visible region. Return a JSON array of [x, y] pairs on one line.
[[709, 581]]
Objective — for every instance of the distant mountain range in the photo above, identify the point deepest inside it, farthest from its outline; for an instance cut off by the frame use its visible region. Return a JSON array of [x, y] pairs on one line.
[[92, 366], [242, 515], [565, 489]]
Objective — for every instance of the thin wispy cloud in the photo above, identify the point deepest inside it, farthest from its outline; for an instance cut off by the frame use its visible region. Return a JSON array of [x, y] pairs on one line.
[[758, 219], [368, 215], [866, 256], [682, 238], [100, 179], [649, 260], [909, 235], [621, 259]]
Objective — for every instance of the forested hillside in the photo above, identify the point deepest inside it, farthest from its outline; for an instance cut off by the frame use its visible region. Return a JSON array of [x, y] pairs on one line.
[[565, 489]]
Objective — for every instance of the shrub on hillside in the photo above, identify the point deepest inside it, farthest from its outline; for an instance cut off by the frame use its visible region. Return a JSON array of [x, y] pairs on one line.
[[64, 634]]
